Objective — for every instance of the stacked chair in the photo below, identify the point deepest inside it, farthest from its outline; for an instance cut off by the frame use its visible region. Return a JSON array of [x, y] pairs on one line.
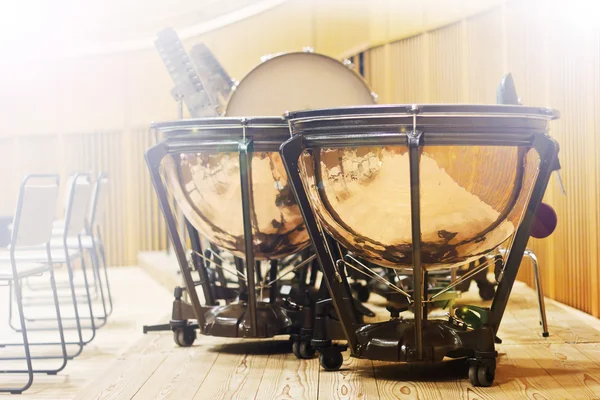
[[40, 247]]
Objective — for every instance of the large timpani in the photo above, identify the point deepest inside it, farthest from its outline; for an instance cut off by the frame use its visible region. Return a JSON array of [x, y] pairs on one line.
[[419, 187], [472, 196]]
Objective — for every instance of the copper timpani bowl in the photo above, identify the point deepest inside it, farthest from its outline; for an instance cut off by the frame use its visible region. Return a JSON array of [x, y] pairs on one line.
[[205, 182], [477, 169]]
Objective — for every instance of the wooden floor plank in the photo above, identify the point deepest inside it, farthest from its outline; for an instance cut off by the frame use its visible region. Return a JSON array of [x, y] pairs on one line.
[[354, 380], [238, 370], [527, 378], [126, 377], [122, 363], [579, 375], [133, 307], [180, 376], [287, 377], [404, 381]]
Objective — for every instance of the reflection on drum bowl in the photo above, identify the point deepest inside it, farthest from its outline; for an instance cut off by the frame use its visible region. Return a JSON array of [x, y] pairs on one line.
[[472, 198], [206, 187]]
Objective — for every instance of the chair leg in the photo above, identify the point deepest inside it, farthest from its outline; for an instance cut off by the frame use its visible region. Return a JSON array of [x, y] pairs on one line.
[[96, 268], [540, 292], [63, 355], [87, 291], [100, 247], [74, 300], [77, 327], [10, 308], [58, 320], [29, 370]]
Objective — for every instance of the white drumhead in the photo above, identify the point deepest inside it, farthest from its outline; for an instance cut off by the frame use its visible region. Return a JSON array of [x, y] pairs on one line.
[[297, 81]]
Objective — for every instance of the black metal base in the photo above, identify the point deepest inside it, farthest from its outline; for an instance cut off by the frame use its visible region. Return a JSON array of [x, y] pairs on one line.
[[287, 315], [232, 320], [394, 340]]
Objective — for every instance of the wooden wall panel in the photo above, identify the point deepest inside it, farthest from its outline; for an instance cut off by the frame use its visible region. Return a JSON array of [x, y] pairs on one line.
[[409, 70], [133, 221], [378, 81], [484, 55], [446, 53], [555, 61], [10, 181], [554, 57]]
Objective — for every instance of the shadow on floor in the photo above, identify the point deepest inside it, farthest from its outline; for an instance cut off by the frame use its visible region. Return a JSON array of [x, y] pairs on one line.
[[265, 347]]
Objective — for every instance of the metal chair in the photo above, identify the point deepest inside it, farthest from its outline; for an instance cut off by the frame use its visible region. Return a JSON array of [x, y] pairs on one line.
[[32, 227], [65, 250], [91, 240], [537, 277]]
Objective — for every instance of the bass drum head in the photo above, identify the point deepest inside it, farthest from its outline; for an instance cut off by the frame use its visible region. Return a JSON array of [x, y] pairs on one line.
[[297, 81]]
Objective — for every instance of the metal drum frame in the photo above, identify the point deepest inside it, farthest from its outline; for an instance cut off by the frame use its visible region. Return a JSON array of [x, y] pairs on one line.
[[259, 316], [414, 341]]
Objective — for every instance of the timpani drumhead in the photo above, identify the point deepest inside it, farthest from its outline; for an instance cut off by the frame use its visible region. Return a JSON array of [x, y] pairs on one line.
[[297, 81]]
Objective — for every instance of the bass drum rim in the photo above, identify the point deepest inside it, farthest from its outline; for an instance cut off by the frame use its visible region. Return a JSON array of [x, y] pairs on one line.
[[235, 89]]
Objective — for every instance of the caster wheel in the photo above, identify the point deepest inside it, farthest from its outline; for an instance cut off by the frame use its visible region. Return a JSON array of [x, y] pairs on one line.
[[296, 349], [485, 375], [306, 350], [184, 337], [482, 375], [487, 292], [473, 375], [331, 360]]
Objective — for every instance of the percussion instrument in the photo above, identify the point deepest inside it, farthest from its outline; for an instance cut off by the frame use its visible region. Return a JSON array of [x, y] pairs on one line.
[[297, 81], [205, 182], [189, 88], [419, 187], [227, 178], [215, 79]]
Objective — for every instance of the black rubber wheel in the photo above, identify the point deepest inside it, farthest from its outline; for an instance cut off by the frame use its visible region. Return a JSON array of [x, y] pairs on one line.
[[485, 375], [306, 350], [184, 337], [473, 375], [296, 349], [487, 291], [331, 360], [363, 293]]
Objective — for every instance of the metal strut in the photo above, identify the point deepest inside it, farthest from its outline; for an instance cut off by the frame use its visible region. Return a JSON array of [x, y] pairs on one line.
[[245, 154], [414, 141]]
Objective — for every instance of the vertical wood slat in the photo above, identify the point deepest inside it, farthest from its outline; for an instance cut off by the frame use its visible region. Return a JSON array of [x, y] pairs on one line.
[[118, 153], [556, 63]]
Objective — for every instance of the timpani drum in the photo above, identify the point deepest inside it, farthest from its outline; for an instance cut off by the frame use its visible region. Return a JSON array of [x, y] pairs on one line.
[[228, 179], [419, 187], [206, 184], [472, 197]]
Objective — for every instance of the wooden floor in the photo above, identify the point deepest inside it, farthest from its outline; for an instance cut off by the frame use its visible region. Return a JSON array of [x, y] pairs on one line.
[[565, 365], [138, 300], [122, 363]]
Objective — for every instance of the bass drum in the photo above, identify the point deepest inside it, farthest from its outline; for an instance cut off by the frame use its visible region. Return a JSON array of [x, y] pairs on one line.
[[297, 81]]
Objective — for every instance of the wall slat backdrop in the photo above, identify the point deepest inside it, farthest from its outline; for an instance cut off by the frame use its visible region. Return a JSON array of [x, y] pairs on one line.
[[555, 61], [553, 53], [133, 221]]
